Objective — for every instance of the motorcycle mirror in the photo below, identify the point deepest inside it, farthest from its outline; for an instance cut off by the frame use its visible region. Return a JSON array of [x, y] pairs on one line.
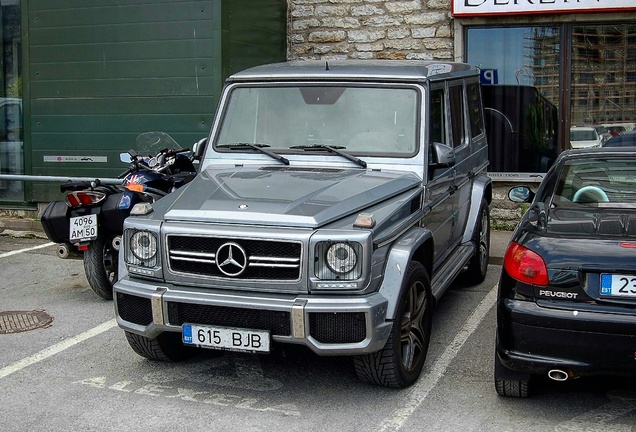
[[198, 148], [125, 157]]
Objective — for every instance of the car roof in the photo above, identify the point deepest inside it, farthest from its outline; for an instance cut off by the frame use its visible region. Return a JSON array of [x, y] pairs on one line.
[[598, 152], [357, 70]]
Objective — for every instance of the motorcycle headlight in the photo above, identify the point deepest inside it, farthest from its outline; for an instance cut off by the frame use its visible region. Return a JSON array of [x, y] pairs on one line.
[[338, 260], [143, 248]]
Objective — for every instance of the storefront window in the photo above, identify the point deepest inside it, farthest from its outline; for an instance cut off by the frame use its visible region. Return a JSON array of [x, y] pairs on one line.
[[520, 77], [524, 71], [11, 134], [603, 72]]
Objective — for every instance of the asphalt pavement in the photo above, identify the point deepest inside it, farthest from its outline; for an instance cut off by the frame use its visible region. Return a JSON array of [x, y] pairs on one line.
[[22, 227]]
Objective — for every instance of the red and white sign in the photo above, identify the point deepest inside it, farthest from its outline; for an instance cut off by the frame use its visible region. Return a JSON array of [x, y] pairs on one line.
[[468, 8]]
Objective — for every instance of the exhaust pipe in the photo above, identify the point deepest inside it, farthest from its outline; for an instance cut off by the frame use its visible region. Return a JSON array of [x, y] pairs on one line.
[[66, 251], [558, 375]]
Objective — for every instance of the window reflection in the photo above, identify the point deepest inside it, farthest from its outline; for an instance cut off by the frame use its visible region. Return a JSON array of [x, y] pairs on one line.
[[11, 132], [521, 93], [603, 72], [602, 88]]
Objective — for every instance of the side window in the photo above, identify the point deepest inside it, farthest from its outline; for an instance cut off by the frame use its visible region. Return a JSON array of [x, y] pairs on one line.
[[457, 114], [437, 117], [474, 109]]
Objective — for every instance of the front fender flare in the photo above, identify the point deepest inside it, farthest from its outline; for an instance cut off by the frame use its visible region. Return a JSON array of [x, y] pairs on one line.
[[482, 188], [397, 262]]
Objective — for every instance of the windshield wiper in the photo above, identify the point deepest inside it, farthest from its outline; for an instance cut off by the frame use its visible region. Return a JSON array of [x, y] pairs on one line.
[[333, 149], [257, 147]]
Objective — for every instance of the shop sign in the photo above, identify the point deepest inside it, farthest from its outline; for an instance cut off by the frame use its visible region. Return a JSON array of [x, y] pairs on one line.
[[83, 159], [515, 7]]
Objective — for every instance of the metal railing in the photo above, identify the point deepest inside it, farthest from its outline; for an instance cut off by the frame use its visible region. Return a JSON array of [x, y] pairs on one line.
[[58, 179]]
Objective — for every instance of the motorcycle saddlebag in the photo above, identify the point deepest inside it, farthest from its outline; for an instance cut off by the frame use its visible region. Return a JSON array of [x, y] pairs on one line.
[[114, 210], [55, 221]]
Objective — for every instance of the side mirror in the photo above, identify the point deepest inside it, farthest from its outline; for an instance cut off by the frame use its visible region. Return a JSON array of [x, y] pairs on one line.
[[199, 148], [125, 157], [442, 156], [521, 194]]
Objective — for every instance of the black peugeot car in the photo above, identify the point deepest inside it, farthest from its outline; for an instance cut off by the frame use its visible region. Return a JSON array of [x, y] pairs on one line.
[[566, 305]]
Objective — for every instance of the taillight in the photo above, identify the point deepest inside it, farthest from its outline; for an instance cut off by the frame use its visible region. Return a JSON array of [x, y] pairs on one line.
[[525, 265], [83, 198]]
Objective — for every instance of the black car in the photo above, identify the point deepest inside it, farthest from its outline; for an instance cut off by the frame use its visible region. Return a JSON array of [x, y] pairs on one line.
[[626, 139], [566, 305]]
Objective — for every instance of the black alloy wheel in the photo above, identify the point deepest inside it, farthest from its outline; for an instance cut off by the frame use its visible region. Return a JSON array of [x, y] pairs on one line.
[[400, 362]]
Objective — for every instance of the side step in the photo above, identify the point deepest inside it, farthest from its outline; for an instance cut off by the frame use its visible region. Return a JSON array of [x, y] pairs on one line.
[[445, 275]]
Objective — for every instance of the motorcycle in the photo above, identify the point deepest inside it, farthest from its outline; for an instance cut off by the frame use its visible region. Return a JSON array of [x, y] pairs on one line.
[[88, 224]]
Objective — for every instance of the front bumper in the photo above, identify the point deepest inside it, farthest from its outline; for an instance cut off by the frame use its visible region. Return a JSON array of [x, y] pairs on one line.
[[328, 325], [535, 339]]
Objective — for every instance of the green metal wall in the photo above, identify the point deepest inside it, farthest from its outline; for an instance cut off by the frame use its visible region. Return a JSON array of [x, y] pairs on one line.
[[101, 72]]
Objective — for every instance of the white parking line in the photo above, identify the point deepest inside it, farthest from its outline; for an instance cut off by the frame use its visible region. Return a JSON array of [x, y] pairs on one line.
[[423, 387], [15, 252], [57, 348]]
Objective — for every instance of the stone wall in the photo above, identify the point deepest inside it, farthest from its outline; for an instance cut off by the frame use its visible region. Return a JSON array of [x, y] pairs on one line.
[[370, 29], [505, 214]]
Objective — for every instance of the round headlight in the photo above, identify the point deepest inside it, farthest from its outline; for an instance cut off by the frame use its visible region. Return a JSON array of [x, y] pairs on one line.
[[341, 258], [143, 245]]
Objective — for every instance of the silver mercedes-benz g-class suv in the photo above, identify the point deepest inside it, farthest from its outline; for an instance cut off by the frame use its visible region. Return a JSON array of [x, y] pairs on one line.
[[336, 202]]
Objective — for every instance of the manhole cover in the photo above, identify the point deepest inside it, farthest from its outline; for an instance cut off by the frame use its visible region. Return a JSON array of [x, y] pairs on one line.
[[21, 321]]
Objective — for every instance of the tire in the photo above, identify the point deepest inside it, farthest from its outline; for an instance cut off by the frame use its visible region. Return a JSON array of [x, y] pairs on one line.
[[100, 266], [510, 383], [478, 264], [166, 347], [399, 364]]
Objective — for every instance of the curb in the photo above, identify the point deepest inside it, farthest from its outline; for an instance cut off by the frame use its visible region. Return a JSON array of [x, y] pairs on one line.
[[23, 234], [22, 228]]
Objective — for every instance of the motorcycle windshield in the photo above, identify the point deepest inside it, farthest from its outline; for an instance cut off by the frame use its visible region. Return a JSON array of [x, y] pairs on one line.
[[151, 143]]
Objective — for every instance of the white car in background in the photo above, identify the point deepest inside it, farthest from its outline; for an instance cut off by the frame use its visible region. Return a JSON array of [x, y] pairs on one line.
[[584, 137]]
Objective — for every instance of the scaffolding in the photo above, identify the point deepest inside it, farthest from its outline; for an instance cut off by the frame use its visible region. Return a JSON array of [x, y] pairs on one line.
[[603, 71], [542, 53]]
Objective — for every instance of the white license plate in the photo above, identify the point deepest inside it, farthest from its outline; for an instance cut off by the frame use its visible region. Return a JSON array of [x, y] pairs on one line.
[[618, 285], [225, 338], [83, 228]]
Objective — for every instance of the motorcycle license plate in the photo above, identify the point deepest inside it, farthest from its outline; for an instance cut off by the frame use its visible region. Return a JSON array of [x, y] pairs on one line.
[[83, 228], [225, 338]]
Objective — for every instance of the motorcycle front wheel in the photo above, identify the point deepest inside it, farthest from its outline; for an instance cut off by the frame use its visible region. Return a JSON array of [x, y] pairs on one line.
[[100, 266]]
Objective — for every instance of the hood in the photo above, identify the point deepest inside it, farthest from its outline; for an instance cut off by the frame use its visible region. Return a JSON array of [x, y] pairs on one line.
[[284, 196]]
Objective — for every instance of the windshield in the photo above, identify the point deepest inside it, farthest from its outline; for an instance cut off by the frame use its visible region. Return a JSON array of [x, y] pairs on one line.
[[361, 120], [151, 143]]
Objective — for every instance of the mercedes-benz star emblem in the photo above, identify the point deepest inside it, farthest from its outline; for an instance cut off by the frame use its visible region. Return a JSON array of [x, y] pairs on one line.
[[231, 259]]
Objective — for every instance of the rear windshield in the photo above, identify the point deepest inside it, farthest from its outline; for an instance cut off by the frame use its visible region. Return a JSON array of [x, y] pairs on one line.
[[583, 135], [601, 182]]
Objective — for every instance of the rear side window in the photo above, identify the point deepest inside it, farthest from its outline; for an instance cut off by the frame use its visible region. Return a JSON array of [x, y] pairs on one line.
[[437, 120], [457, 114], [474, 109]]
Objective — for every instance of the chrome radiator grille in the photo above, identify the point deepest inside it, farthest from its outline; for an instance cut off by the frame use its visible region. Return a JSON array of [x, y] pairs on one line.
[[243, 259]]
